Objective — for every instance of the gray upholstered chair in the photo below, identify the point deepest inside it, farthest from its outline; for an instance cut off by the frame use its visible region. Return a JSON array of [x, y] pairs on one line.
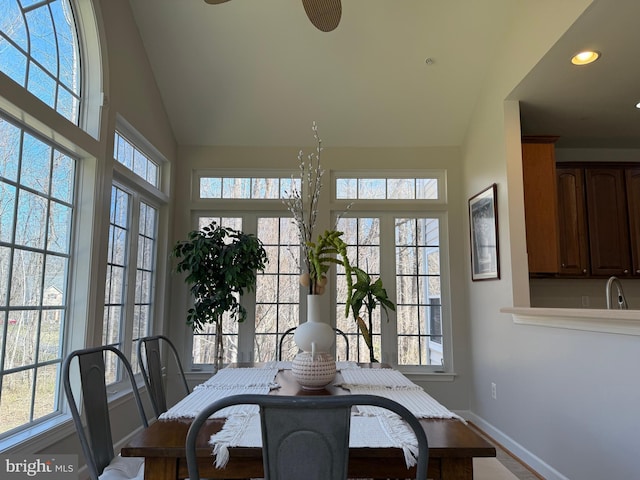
[[306, 437], [150, 361], [292, 330], [96, 441]]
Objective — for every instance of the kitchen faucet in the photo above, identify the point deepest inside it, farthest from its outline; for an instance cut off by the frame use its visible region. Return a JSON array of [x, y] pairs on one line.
[[622, 302]]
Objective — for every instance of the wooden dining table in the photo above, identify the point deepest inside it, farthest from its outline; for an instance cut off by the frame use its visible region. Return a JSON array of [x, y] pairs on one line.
[[452, 447]]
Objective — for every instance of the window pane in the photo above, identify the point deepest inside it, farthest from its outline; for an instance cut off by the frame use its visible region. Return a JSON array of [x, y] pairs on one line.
[[401, 188], [13, 62], [66, 38], [7, 205], [127, 154], [43, 41], [16, 394], [236, 188], [210, 187], [41, 84], [418, 283], [12, 23], [277, 291], [50, 45]]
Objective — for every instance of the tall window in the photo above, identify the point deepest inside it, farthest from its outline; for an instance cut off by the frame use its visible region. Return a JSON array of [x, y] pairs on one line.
[[132, 254], [404, 243], [39, 50], [403, 246], [275, 306], [36, 211]]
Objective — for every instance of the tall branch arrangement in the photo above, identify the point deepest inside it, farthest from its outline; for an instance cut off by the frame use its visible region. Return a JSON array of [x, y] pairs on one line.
[[304, 206]]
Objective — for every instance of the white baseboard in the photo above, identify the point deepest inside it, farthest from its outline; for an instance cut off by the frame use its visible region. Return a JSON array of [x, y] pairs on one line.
[[535, 462]]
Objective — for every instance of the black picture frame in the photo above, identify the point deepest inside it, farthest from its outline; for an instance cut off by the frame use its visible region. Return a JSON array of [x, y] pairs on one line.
[[483, 226]]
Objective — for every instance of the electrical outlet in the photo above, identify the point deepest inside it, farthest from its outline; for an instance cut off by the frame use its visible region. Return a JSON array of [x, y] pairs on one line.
[[585, 301], [494, 392]]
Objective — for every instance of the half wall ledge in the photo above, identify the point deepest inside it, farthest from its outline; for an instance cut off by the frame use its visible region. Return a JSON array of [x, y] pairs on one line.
[[620, 322]]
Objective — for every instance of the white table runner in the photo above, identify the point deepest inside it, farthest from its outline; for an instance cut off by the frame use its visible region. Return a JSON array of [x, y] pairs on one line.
[[366, 432], [379, 377], [417, 401], [242, 377], [196, 401]]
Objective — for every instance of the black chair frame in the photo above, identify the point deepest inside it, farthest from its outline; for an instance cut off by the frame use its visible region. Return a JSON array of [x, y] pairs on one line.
[[151, 369], [97, 446], [292, 330], [302, 428]]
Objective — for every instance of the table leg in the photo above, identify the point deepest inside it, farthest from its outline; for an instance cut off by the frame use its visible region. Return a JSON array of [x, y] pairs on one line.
[[457, 468], [158, 468]]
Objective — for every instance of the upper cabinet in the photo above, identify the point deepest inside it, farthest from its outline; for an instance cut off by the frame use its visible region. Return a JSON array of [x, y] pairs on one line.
[[582, 219], [540, 203], [572, 210], [607, 221], [632, 177]]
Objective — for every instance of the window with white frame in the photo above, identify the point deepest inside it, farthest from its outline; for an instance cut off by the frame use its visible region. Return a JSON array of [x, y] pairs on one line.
[[39, 50], [43, 304], [274, 306], [132, 253], [37, 181], [404, 243]]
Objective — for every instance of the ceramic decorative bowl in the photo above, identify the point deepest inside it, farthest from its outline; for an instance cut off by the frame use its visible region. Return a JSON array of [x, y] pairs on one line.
[[313, 373]]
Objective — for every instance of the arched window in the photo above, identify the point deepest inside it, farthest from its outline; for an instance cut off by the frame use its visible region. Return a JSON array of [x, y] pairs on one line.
[[39, 50]]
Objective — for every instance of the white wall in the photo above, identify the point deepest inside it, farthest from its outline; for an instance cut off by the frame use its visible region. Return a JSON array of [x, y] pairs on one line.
[[567, 401]]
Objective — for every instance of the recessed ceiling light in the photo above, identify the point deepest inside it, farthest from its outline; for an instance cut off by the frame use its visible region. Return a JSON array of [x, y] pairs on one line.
[[586, 57], [638, 105]]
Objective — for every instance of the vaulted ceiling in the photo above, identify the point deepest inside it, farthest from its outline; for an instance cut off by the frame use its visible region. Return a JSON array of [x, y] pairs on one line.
[[393, 73]]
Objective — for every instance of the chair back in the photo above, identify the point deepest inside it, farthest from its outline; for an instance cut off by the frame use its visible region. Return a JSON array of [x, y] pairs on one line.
[[306, 437], [96, 442], [151, 368], [291, 331]]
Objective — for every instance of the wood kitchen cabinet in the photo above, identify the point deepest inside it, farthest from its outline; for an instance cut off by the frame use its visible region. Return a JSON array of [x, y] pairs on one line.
[[540, 204], [572, 225], [608, 222], [632, 177]]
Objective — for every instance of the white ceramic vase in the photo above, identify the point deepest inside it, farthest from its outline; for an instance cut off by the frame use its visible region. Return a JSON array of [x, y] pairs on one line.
[[314, 330], [314, 367]]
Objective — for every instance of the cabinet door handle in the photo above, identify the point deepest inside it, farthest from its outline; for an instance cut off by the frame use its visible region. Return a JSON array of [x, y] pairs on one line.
[[626, 272], [584, 270]]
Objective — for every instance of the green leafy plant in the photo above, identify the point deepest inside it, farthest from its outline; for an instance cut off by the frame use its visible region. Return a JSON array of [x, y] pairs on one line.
[[220, 262], [329, 250], [370, 294]]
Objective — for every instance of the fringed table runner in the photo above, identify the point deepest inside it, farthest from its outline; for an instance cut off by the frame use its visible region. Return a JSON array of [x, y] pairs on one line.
[[378, 377], [196, 401], [417, 401], [366, 432], [242, 377]]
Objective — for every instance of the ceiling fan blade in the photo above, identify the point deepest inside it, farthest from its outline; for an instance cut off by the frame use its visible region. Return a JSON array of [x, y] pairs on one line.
[[324, 14], [215, 2]]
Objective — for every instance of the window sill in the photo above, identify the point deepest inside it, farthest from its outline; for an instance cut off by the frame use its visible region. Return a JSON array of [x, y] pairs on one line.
[[38, 437], [429, 377], [620, 322]]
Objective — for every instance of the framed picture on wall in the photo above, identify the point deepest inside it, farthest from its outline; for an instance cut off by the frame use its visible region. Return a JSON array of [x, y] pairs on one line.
[[483, 224]]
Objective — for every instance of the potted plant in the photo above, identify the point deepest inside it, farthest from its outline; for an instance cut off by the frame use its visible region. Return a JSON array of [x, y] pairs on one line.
[[221, 265], [370, 294]]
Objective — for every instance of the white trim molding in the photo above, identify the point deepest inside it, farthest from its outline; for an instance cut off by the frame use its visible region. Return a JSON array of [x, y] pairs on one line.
[[621, 322], [530, 459]]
